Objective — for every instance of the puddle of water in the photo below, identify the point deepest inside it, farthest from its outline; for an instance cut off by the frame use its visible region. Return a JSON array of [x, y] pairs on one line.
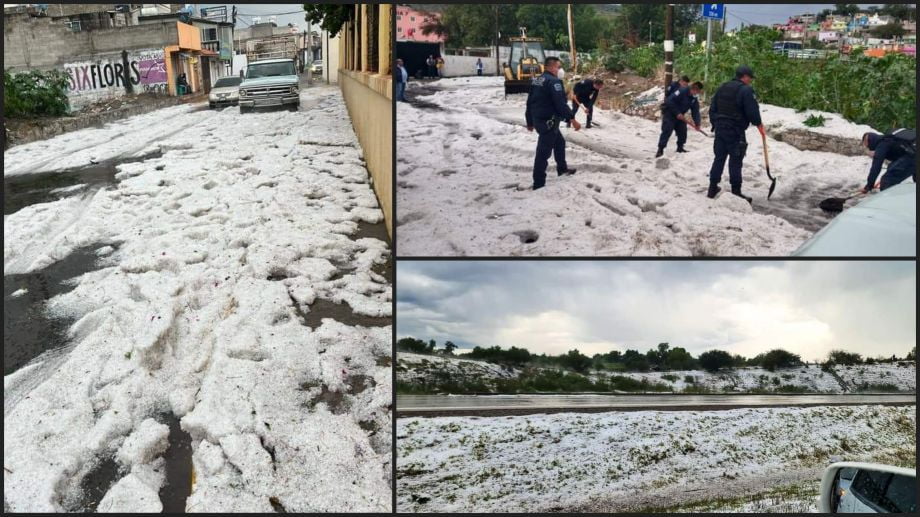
[[95, 485], [342, 313], [27, 329], [375, 231], [178, 486], [23, 190]]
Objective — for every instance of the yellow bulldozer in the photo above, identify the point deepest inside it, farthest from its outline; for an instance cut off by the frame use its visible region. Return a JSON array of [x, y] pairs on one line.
[[524, 63]]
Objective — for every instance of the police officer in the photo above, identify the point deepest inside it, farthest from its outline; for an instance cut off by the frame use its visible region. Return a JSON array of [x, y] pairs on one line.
[[586, 94], [732, 110], [899, 152], [672, 116], [683, 82], [546, 108]]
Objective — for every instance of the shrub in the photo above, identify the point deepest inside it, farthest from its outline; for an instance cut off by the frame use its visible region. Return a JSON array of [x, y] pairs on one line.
[[815, 121], [645, 60], [843, 357], [670, 378], [713, 360], [35, 93], [883, 96], [779, 358], [689, 379]]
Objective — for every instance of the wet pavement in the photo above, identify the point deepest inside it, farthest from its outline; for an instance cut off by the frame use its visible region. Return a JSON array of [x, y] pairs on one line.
[[495, 405], [178, 485], [22, 190], [28, 330]]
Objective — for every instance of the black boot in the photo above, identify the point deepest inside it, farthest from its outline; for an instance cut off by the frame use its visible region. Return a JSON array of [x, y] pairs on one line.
[[567, 172], [736, 190], [682, 150], [659, 153], [713, 191], [538, 187]]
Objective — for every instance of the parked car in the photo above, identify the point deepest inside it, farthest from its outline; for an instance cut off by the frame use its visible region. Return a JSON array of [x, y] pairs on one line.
[[850, 487], [225, 92], [317, 66], [271, 82]]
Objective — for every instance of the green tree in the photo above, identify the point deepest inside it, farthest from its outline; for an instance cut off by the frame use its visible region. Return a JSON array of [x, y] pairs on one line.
[[888, 31], [679, 359], [900, 11], [843, 357], [713, 360], [913, 354], [779, 358], [411, 344], [469, 25], [577, 361], [330, 17], [846, 9], [634, 361], [449, 347]]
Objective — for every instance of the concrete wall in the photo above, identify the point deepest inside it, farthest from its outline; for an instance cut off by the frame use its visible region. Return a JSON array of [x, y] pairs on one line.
[[37, 43], [369, 99], [101, 76], [455, 66]]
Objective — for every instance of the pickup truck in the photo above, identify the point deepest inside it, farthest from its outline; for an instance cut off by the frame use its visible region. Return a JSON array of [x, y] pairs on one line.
[[272, 82]]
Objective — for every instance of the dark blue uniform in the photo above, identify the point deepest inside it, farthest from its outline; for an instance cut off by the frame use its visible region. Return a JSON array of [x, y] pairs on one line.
[[546, 108], [678, 103], [675, 85], [903, 163], [733, 109], [586, 94]]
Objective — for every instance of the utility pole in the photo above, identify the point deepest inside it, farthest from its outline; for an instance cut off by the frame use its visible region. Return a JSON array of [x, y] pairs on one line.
[[668, 46], [498, 70], [724, 17], [708, 49], [572, 42]]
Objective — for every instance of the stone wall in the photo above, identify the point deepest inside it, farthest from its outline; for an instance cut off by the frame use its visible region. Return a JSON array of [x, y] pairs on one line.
[[811, 141]]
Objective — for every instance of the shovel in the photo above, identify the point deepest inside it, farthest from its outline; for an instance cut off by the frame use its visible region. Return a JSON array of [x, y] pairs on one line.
[[691, 124], [835, 204], [766, 161]]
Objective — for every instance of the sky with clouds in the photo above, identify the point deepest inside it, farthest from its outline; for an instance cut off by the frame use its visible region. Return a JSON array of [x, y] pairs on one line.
[[744, 307]]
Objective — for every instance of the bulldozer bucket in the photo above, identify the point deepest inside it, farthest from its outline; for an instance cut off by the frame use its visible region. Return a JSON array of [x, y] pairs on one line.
[[517, 86]]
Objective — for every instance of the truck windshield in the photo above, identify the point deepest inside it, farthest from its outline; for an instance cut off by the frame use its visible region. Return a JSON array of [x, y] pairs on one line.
[[256, 70]]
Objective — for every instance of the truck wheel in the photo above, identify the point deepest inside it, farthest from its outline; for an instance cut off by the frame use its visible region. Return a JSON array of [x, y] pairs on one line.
[[294, 107], [244, 109]]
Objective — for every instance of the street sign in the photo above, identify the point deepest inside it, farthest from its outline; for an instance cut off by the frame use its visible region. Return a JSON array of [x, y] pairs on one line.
[[714, 11]]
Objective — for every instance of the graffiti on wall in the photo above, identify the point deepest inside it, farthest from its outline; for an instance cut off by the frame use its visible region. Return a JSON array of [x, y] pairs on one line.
[[105, 76]]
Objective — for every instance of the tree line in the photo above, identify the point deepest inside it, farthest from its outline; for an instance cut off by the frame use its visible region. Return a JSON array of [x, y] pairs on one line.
[[661, 358]]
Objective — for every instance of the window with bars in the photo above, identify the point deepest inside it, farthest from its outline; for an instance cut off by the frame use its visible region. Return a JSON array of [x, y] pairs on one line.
[[373, 36]]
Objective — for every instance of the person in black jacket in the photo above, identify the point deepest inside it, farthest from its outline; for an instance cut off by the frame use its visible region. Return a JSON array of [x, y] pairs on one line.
[[732, 110], [586, 95], [546, 108], [885, 147], [683, 82], [672, 116], [400, 76]]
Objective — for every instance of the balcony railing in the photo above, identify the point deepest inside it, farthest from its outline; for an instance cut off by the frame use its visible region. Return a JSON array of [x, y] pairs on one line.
[[211, 45]]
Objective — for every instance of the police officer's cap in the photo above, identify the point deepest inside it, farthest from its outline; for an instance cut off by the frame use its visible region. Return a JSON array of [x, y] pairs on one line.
[[744, 70]]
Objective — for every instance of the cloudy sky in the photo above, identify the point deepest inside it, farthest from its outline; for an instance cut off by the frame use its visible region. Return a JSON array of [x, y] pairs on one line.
[[743, 307]]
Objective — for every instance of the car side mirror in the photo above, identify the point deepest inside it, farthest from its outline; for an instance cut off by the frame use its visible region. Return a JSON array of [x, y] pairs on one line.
[[851, 487]]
